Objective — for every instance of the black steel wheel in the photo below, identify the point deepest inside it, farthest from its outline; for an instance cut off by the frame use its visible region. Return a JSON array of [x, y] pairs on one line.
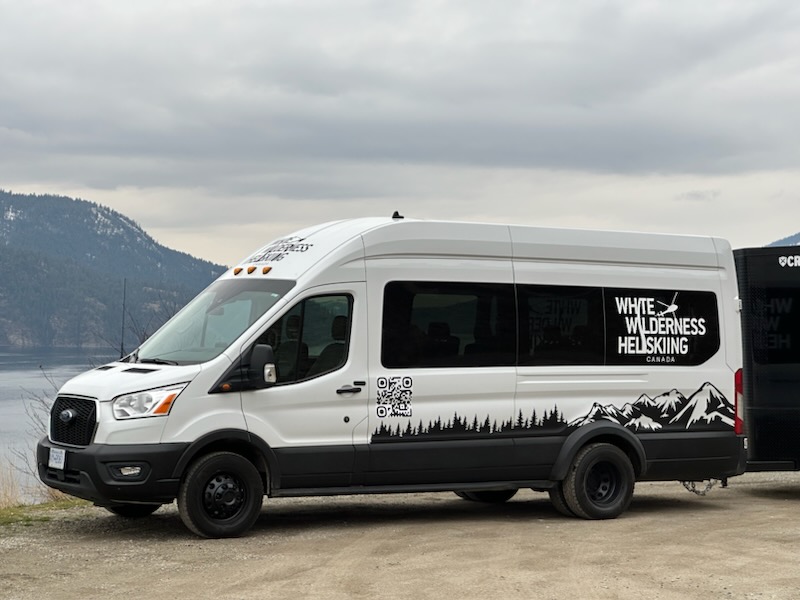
[[221, 495], [600, 482], [133, 511]]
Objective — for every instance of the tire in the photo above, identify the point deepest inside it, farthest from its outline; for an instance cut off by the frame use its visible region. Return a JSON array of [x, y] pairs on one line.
[[133, 511], [488, 496], [558, 500], [221, 495], [599, 484]]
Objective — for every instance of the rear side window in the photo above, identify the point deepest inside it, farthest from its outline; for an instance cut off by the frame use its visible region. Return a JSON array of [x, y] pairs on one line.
[[660, 327], [561, 325], [436, 324], [440, 324], [774, 322]]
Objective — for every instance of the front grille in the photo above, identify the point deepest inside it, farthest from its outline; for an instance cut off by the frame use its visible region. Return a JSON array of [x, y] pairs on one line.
[[73, 420]]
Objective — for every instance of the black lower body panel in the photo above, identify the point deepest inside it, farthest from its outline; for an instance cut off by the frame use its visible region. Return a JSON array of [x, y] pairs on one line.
[[94, 472], [693, 456]]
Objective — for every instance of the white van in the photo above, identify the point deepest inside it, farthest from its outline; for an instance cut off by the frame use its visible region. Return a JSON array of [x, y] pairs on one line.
[[394, 355]]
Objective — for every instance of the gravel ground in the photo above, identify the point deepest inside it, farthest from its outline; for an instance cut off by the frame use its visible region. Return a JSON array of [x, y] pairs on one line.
[[739, 542]]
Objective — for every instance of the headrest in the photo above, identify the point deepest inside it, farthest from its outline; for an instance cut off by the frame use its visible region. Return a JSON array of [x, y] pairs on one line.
[[339, 328]]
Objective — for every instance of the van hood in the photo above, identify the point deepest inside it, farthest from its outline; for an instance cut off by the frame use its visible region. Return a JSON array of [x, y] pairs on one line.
[[117, 378]]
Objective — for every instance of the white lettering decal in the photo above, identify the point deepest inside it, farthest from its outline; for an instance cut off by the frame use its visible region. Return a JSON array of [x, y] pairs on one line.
[[655, 330], [789, 261]]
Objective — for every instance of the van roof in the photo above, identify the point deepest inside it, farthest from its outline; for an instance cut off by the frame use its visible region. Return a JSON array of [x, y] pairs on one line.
[[292, 255]]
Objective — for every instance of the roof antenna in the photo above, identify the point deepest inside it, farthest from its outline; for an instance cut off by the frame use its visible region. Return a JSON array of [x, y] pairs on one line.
[[397, 215]]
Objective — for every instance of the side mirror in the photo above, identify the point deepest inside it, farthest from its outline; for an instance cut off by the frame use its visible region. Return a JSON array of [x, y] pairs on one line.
[[262, 371]]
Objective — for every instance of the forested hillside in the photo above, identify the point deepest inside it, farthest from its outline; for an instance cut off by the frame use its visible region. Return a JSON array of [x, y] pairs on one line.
[[62, 267]]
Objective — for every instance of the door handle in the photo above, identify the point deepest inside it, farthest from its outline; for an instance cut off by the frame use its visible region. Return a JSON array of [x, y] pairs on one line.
[[348, 389]]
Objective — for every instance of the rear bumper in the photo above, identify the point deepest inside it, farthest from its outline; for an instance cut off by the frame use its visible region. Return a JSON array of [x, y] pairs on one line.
[[92, 472], [694, 456]]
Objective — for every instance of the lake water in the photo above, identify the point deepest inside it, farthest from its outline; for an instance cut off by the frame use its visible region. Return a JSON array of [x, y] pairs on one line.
[[29, 380]]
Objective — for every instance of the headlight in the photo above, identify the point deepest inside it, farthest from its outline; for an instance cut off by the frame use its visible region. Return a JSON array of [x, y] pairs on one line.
[[150, 403]]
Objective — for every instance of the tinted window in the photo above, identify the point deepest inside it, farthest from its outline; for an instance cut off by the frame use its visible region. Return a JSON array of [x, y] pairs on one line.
[[660, 326], [206, 326], [561, 325], [312, 338], [774, 319], [432, 324], [427, 324]]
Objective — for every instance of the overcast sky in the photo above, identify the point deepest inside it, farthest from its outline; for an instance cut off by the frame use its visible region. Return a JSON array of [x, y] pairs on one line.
[[218, 126]]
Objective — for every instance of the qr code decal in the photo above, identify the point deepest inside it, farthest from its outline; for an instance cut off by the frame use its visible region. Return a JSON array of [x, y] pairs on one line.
[[394, 396]]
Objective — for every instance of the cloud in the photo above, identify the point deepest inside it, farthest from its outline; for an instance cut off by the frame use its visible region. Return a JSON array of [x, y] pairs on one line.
[[699, 195], [314, 108]]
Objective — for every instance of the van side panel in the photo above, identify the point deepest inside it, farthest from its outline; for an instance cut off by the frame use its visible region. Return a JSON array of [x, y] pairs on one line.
[[667, 387], [659, 304], [425, 400]]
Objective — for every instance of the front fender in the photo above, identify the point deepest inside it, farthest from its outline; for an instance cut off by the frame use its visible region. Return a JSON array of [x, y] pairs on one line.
[[233, 440]]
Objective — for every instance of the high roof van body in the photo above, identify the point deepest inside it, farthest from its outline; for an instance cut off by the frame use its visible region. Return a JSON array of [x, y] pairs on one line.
[[395, 355]]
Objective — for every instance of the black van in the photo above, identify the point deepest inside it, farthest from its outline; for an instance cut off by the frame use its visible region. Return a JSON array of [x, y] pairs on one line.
[[769, 286]]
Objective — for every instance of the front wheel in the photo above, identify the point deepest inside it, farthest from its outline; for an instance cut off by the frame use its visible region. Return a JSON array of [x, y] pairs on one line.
[[600, 482], [221, 495]]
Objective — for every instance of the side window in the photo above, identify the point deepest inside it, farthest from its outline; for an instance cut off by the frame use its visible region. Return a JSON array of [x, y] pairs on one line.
[[668, 327], [561, 325], [312, 338], [774, 323], [436, 324]]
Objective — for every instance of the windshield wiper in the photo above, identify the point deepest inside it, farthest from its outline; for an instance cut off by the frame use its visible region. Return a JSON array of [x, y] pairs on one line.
[[157, 361]]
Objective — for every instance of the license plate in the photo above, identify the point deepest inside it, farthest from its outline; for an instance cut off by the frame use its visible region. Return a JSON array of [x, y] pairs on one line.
[[58, 459]]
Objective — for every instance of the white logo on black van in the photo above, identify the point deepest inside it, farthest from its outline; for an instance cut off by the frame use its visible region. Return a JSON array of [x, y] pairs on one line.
[[789, 261]]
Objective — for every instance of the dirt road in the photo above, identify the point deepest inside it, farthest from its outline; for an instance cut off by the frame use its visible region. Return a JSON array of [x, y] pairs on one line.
[[742, 542]]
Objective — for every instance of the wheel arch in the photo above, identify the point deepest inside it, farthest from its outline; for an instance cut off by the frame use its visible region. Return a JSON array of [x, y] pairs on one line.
[[600, 431], [250, 446]]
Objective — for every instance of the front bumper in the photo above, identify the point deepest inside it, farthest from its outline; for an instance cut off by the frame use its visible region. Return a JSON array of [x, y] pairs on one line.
[[93, 472]]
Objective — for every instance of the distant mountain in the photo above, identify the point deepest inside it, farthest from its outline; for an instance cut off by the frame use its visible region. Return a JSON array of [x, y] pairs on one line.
[[792, 240], [62, 266]]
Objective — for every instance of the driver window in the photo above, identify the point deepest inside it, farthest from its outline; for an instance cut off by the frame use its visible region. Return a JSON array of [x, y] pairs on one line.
[[312, 338]]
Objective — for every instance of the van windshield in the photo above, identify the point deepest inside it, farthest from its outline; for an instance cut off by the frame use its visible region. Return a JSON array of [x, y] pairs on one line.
[[213, 320]]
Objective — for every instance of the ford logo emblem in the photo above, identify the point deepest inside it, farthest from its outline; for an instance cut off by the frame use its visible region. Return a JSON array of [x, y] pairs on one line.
[[67, 416]]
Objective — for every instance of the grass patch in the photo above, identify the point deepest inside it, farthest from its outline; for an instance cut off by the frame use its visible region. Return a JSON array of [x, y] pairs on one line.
[[28, 514]]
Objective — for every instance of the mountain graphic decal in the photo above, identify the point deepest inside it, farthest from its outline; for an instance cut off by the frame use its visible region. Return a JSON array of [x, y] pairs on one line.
[[705, 409]]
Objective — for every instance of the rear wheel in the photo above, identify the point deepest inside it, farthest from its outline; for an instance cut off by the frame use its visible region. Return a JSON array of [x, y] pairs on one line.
[[600, 482], [221, 495], [133, 511]]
